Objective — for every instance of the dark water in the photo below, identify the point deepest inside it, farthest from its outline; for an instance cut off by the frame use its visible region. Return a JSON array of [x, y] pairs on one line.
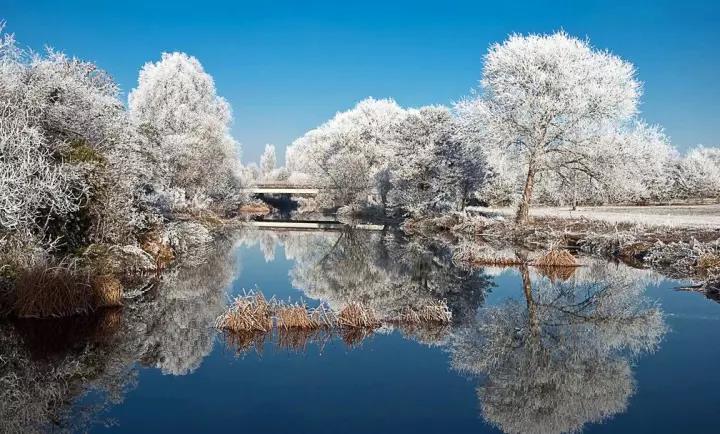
[[606, 349]]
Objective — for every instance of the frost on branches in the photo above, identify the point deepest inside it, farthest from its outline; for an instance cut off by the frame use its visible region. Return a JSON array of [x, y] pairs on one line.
[[381, 154], [431, 169], [546, 100], [66, 178], [344, 155], [177, 108]]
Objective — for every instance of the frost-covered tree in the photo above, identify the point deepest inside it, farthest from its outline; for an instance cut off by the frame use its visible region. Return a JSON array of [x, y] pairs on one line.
[[345, 154], [431, 169], [177, 104], [698, 174], [545, 100], [268, 161], [69, 172], [633, 164]]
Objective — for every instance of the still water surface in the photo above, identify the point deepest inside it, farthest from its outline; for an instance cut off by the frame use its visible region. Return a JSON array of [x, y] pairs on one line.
[[604, 349]]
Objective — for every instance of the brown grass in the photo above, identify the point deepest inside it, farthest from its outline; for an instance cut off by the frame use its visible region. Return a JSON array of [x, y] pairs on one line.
[[436, 312], [248, 313], [254, 209], [357, 315], [52, 292], [108, 291], [708, 261], [556, 258], [251, 318], [294, 316]]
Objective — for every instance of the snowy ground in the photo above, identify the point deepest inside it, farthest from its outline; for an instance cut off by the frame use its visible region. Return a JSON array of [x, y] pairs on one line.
[[705, 216]]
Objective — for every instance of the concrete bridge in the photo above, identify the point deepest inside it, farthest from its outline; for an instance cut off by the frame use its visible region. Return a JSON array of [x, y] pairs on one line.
[[282, 188], [310, 225]]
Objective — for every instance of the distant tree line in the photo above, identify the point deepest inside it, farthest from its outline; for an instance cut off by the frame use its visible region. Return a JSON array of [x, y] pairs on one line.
[[554, 121]]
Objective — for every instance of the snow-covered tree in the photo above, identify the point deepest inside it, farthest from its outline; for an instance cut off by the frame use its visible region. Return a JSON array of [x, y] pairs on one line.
[[345, 154], [268, 161], [68, 173], [431, 169], [698, 174], [176, 101], [633, 164], [545, 100]]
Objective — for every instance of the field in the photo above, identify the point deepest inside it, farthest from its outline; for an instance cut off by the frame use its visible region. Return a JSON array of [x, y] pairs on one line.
[[698, 216]]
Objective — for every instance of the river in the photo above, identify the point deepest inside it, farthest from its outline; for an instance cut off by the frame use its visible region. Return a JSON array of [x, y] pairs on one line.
[[600, 348]]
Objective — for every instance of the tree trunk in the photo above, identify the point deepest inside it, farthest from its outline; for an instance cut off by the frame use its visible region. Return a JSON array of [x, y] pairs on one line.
[[523, 210], [527, 290]]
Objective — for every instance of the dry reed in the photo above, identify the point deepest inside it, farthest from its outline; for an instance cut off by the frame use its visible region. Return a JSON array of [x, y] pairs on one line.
[[434, 312], [251, 317], [556, 258], [108, 291], [357, 315], [52, 292], [248, 313]]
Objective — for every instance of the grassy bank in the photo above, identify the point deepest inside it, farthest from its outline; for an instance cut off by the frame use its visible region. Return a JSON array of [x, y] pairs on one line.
[[678, 252]]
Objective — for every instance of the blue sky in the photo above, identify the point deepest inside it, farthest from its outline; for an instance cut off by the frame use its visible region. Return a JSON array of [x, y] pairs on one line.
[[285, 67]]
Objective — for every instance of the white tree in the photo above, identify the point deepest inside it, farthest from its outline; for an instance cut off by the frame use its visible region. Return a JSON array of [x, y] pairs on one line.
[[65, 149], [431, 169], [546, 99], [345, 154], [177, 101], [699, 173], [268, 161]]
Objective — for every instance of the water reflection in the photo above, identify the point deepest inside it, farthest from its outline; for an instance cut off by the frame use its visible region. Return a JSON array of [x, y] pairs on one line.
[[555, 356], [61, 374], [560, 357]]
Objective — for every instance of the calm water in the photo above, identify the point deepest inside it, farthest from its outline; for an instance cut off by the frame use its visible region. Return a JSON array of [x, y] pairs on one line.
[[606, 349]]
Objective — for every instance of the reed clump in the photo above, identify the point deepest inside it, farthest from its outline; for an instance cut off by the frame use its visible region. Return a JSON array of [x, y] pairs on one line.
[[556, 258], [299, 316], [248, 313], [357, 315], [108, 291], [62, 290], [433, 312], [478, 255], [251, 318]]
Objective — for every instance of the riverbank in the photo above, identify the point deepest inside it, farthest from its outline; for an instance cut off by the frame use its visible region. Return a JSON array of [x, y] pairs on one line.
[[679, 252], [101, 275]]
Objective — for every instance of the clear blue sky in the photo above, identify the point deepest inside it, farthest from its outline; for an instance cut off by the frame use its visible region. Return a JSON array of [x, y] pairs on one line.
[[285, 67]]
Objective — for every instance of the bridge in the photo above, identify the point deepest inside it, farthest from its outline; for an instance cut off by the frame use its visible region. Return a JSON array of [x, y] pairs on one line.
[[310, 225], [282, 188]]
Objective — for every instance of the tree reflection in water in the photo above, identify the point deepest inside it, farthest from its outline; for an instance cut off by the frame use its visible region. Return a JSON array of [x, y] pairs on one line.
[[555, 359], [561, 358], [61, 374]]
